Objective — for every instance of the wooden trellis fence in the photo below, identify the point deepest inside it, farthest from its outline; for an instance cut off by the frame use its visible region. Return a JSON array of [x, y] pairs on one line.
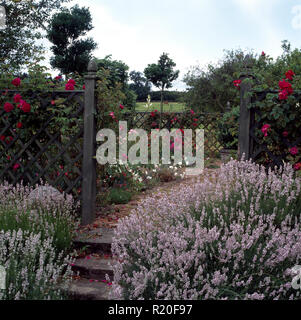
[[44, 152], [67, 160], [184, 120]]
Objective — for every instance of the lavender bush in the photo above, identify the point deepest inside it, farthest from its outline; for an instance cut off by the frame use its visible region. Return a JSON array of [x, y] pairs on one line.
[[52, 216], [235, 235], [34, 270]]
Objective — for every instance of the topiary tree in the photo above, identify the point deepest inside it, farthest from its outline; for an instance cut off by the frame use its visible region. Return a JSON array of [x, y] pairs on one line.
[[162, 74], [66, 29]]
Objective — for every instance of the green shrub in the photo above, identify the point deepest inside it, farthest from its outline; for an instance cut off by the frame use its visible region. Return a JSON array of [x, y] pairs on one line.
[[119, 196]]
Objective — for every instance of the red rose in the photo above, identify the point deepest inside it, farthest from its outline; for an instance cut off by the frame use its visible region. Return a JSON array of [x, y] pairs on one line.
[[16, 82], [69, 86], [121, 107], [297, 166], [16, 166], [8, 107], [17, 98], [19, 125], [237, 83], [285, 133], [290, 90], [58, 77], [71, 81], [263, 53], [2, 137], [283, 95], [25, 107], [289, 74], [84, 87], [153, 114], [284, 85]]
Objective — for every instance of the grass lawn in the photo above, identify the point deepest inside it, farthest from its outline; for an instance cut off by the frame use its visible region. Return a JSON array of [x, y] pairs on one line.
[[170, 107]]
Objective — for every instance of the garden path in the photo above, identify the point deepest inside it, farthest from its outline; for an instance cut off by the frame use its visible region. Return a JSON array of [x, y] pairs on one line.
[[94, 241]]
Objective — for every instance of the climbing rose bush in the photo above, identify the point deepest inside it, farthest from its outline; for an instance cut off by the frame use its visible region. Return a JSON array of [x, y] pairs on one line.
[[279, 119], [234, 235]]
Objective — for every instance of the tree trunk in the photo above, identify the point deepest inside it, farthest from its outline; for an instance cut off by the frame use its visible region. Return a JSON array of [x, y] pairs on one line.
[[161, 106]]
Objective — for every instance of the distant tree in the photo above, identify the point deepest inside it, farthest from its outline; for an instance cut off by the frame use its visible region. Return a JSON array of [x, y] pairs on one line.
[[118, 70], [139, 85], [66, 29], [162, 74], [25, 23], [210, 88], [118, 75]]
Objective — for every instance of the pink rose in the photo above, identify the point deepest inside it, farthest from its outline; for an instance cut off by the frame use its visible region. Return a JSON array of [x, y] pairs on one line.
[[293, 151], [69, 86], [297, 166], [265, 129]]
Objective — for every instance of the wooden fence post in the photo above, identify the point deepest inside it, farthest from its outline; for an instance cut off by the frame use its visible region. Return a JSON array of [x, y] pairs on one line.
[[244, 139], [89, 161]]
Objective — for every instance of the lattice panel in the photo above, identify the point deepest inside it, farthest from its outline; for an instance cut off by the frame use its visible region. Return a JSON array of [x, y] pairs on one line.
[[41, 149], [206, 121]]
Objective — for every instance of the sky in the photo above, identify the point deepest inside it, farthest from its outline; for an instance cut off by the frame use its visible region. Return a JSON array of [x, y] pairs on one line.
[[192, 32]]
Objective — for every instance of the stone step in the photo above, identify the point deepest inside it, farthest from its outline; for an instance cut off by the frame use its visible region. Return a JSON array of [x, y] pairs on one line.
[[92, 267], [98, 240], [85, 289]]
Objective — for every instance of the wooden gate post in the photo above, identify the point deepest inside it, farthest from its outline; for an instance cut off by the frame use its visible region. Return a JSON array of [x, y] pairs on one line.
[[244, 139], [89, 161]]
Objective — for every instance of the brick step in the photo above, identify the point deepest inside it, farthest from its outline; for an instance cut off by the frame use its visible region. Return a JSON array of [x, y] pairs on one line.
[[84, 289], [98, 240], [94, 267]]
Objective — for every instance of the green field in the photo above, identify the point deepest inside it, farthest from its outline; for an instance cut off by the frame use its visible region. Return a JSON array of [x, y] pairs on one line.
[[169, 107]]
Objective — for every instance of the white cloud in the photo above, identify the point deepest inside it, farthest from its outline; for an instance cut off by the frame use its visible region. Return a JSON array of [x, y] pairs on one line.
[[137, 46], [260, 15], [249, 5], [296, 21]]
